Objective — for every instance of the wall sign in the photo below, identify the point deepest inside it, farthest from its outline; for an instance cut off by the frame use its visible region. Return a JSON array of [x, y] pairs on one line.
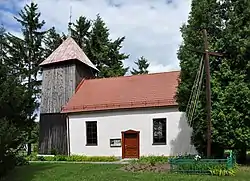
[[115, 142]]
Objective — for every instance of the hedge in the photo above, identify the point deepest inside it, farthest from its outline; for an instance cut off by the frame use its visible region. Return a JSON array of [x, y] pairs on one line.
[[73, 158]]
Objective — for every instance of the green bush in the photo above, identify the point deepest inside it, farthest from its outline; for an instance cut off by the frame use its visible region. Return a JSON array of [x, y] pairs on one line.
[[60, 158], [82, 158], [20, 161], [50, 158], [152, 159], [74, 158], [41, 158], [32, 157], [54, 151], [222, 171], [7, 162]]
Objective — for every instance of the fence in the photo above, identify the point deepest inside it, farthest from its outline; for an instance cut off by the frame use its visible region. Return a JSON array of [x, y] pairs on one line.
[[196, 165]]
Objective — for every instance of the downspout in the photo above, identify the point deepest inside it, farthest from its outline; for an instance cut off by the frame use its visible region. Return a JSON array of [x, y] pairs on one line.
[[68, 134]]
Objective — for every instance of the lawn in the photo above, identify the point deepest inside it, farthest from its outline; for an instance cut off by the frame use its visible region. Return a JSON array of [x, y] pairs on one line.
[[96, 172]]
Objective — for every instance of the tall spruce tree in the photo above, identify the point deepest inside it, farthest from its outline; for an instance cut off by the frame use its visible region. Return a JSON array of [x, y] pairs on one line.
[[14, 106], [12, 117], [52, 40], [81, 31], [142, 66], [29, 53], [113, 66], [228, 33], [98, 43], [103, 52], [2, 43]]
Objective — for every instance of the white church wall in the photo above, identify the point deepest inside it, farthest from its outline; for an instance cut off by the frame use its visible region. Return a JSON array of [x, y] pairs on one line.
[[110, 124]]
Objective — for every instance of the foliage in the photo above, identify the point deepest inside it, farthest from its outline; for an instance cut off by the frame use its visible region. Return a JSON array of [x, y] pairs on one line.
[[19, 87], [81, 31], [228, 33], [13, 113], [73, 158], [9, 144], [94, 39], [2, 43], [25, 55], [20, 161], [92, 158], [142, 65], [151, 160], [222, 172], [52, 40], [54, 151], [32, 54]]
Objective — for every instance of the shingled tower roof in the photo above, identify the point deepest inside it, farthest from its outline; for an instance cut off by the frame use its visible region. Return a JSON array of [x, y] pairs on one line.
[[68, 50]]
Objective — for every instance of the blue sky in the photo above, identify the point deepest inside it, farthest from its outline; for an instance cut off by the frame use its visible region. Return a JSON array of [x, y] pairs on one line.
[[151, 27]]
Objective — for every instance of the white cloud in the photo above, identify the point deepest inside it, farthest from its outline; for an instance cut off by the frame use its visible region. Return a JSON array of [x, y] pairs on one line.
[[151, 27]]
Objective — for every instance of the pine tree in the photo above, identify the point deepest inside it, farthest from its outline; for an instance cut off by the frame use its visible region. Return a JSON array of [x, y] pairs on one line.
[[102, 51], [27, 54], [81, 31], [142, 65], [13, 116], [98, 43], [13, 108], [3, 43], [52, 40], [228, 33], [114, 63]]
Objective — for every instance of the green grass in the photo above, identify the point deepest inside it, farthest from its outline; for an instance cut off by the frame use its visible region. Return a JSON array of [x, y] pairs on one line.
[[109, 172]]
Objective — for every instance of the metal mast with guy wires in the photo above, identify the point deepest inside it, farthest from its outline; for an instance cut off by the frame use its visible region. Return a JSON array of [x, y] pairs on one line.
[[70, 23], [204, 64]]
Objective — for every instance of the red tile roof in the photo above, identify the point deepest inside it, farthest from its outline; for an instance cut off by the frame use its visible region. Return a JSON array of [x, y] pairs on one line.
[[151, 90], [68, 50]]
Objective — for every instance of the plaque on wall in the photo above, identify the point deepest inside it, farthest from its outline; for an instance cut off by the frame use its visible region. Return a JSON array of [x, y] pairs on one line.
[[115, 142]]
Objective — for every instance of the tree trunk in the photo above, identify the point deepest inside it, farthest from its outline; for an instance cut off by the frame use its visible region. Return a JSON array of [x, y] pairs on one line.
[[29, 144], [242, 156]]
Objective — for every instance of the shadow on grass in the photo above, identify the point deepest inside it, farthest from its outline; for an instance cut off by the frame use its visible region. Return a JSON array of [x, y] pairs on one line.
[[28, 172]]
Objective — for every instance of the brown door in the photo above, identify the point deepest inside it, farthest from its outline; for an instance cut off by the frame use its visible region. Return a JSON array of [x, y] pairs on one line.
[[130, 144]]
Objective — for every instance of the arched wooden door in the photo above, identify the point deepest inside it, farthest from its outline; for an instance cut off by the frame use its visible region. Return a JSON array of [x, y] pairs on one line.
[[130, 144]]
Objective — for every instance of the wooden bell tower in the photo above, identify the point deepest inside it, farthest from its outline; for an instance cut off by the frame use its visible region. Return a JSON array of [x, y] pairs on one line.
[[63, 70]]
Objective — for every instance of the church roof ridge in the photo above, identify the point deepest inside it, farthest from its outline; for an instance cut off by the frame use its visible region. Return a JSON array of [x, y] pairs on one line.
[[137, 91]]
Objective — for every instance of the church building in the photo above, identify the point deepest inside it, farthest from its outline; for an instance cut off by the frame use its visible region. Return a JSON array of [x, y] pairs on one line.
[[127, 117]]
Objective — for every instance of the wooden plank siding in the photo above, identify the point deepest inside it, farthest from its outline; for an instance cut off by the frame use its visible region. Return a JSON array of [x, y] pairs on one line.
[[83, 71], [59, 82], [53, 134], [58, 85]]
